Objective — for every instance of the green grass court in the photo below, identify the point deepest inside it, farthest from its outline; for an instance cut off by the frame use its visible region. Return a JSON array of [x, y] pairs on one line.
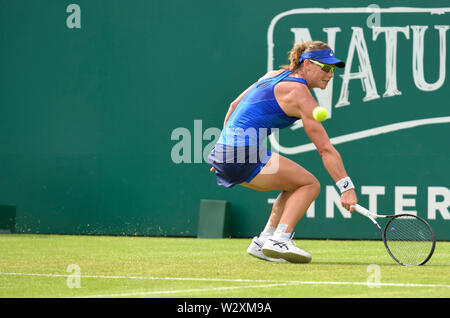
[[36, 266]]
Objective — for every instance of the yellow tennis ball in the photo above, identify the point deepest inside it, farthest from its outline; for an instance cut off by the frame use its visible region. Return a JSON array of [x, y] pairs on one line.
[[320, 113]]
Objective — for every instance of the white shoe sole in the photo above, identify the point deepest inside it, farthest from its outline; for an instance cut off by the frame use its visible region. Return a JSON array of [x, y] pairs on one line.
[[255, 250], [289, 256]]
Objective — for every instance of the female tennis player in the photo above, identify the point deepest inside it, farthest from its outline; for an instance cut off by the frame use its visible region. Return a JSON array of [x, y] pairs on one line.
[[277, 100]]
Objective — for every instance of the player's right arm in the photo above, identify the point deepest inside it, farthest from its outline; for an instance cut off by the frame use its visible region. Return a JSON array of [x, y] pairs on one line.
[[304, 103]]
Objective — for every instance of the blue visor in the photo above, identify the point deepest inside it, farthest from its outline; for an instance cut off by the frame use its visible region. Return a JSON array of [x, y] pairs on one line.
[[324, 56]]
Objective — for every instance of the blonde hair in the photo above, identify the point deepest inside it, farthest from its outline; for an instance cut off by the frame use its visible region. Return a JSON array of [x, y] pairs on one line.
[[296, 52]]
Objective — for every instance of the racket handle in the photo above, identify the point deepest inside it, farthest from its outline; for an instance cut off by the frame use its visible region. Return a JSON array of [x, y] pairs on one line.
[[363, 211]]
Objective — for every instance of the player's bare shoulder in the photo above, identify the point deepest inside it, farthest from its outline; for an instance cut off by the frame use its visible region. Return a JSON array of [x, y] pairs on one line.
[[292, 96], [271, 74]]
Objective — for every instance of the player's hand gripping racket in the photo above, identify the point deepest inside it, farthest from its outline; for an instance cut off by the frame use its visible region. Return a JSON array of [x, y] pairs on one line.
[[409, 239]]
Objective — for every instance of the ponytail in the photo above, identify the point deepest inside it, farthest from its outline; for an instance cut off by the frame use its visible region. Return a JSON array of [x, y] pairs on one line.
[[296, 52]]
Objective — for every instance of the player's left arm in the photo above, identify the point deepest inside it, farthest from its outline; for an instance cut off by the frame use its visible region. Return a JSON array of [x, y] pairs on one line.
[[234, 104]]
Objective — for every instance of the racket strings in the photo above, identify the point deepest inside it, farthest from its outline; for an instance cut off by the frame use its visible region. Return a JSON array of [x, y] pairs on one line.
[[409, 239]]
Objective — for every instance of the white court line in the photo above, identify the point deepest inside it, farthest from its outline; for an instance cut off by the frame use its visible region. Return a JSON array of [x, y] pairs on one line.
[[161, 292], [290, 282]]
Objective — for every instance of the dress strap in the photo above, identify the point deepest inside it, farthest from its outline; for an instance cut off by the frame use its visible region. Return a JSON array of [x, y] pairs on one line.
[[295, 79]]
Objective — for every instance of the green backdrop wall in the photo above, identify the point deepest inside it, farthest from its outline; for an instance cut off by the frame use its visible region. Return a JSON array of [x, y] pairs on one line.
[[106, 108]]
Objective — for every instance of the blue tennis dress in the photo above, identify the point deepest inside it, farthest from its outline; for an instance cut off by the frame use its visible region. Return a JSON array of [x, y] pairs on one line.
[[240, 151]]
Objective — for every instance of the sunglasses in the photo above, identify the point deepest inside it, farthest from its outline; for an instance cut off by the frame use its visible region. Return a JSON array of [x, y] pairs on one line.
[[325, 67]]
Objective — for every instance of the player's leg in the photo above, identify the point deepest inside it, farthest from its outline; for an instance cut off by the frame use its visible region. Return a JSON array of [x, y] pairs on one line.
[[276, 213], [300, 188], [257, 243]]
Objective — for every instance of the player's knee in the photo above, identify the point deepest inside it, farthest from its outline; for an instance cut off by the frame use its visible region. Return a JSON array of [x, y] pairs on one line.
[[312, 184], [315, 187]]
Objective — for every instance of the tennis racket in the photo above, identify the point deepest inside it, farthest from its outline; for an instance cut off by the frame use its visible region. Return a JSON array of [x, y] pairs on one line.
[[409, 239]]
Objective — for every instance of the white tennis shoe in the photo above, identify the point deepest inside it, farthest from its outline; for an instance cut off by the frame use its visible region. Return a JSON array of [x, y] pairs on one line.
[[285, 250], [254, 249]]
